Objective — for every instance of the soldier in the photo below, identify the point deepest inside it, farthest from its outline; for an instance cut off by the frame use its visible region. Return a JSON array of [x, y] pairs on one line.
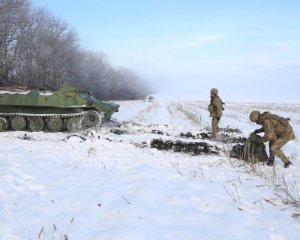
[[215, 109], [278, 132]]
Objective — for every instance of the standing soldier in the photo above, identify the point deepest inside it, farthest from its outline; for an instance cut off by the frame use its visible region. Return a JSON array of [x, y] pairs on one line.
[[215, 109], [278, 132]]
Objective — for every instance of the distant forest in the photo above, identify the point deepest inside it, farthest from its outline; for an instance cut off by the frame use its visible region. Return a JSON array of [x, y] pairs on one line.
[[41, 51]]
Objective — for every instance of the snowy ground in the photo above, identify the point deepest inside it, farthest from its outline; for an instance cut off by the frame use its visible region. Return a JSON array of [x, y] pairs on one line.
[[103, 185]]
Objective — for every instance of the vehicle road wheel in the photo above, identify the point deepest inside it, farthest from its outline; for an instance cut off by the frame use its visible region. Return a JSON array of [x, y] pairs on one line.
[[3, 124], [91, 118], [18, 123], [73, 125], [36, 124], [54, 124]]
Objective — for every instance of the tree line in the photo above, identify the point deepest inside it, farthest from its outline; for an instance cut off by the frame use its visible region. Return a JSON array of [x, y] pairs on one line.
[[39, 50]]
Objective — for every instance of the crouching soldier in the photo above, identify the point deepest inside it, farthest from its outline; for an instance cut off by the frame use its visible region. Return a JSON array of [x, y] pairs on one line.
[[277, 131], [215, 109]]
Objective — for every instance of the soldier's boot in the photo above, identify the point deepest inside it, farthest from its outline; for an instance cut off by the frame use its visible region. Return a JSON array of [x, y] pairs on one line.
[[283, 158], [287, 164], [270, 161]]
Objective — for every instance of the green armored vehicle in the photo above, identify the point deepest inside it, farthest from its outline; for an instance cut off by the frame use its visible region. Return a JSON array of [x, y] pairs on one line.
[[64, 110]]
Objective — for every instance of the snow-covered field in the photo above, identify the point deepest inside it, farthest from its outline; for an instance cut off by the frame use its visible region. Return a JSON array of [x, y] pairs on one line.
[[104, 184]]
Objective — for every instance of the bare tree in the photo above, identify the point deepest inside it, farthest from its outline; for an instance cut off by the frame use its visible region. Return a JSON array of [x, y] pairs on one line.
[[41, 51], [13, 27], [93, 70], [50, 51]]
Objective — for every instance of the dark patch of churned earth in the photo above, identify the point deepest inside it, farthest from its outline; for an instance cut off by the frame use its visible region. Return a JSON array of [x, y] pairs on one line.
[[193, 148], [227, 135], [202, 135]]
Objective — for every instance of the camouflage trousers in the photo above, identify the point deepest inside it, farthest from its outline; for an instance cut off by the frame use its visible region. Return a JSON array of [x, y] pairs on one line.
[[214, 127], [275, 148]]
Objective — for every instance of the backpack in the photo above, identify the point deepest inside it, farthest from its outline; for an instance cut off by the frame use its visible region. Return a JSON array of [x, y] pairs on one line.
[[283, 121], [251, 151]]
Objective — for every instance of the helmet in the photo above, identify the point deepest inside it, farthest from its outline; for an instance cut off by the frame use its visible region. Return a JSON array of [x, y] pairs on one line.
[[214, 90], [254, 115]]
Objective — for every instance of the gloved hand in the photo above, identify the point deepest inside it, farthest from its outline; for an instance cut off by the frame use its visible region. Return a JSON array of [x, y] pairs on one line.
[[218, 118]]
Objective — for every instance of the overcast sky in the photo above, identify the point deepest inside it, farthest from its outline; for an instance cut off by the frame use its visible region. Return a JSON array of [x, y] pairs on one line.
[[249, 50]]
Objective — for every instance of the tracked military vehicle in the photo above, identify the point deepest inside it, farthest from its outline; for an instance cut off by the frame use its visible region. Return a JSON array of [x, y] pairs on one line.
[[67, 109]]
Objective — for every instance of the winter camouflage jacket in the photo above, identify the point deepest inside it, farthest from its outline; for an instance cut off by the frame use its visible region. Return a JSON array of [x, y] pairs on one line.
[[274, 127], [215, 107]]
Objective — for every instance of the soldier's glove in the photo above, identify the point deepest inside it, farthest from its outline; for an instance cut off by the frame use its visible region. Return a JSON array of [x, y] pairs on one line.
[[218, 118]]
